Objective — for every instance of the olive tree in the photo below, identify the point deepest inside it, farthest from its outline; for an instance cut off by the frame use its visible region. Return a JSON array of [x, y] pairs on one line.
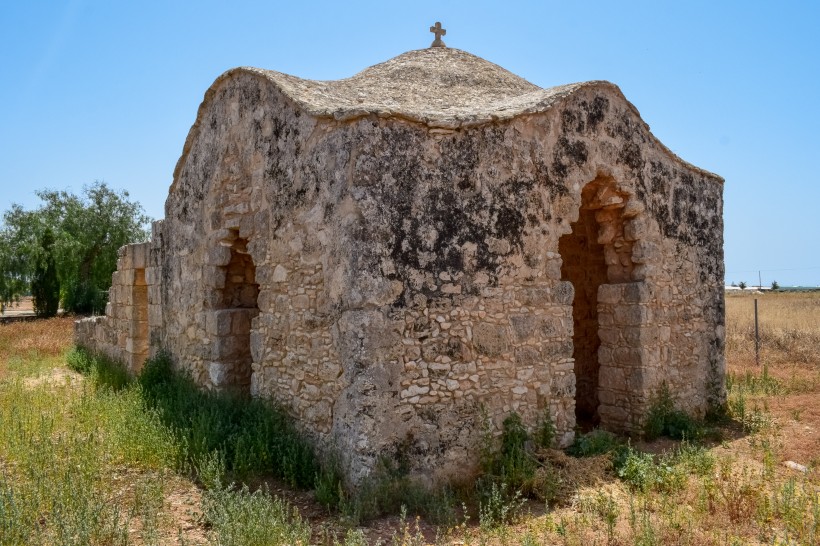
[[88, 230]]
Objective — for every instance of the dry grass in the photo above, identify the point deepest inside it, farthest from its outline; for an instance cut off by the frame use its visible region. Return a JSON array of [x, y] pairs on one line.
[[33, 341], [789, 326]]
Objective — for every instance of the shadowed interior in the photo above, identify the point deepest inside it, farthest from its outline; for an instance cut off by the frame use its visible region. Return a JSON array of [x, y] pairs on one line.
[[239, 298]]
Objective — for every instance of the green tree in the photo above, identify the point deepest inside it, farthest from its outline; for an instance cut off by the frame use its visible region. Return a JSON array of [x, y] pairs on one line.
[[14, 280], [775, 285], [45, 286], [88, 231], [742, 285]]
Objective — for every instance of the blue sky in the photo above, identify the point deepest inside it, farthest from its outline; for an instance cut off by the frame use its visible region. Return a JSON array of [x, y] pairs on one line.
[[107, 90]]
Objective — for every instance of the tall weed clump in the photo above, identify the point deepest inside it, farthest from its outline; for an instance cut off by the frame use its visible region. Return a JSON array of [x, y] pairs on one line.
[[102, 370], [390, 489], [511, 469], [252, 436], [663, 419], [238, 516]]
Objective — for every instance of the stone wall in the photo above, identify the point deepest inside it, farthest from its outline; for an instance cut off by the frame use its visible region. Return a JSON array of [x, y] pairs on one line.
[[392, 284], [122, 333]]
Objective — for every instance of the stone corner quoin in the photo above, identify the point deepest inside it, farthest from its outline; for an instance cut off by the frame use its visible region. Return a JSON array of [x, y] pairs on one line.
[[392, 256]]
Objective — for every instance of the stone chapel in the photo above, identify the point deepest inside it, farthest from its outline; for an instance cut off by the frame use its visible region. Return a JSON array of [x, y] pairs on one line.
[[392, 256]]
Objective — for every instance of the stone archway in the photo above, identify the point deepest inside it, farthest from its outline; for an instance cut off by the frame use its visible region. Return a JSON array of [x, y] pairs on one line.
[[596, 255], [235, 307]]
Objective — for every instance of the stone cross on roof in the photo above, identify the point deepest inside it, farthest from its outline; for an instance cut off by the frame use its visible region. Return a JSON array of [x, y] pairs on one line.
[[439, 32]]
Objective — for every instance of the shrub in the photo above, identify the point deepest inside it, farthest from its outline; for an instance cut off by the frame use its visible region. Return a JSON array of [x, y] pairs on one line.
[[252, 436], [696, 459], [45, 286], [640, 471], [595, 442], [509, 469], [243, 518], [388, 490], [500, 505], [545, 434], [516, 465], [664, 420], [82, 296]]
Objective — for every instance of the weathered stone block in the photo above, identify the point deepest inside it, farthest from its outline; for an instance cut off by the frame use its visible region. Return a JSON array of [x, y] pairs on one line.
[[217, 373], [628, 315], [218, 256], [524, 326], [213, 277], [637, 292], [610, 293], [564, 293], [635, 229], [563, 386], [155, 315], [491, 339], [555, 350], [644, 252], [218, 323], [139, 255], [527, 356]]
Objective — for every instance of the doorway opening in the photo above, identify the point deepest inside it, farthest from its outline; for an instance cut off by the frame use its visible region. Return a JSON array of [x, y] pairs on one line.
[[238, 307], [592, 255]]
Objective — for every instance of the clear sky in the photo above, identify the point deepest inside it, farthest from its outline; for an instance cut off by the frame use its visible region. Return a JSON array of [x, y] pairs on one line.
[[107, 90]]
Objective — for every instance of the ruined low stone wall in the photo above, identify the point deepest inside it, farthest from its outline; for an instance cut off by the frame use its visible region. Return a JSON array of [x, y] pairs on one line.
[[122, 333]]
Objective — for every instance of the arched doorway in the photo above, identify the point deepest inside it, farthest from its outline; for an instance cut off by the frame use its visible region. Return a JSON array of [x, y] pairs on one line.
[[593, 254], [236, 308]]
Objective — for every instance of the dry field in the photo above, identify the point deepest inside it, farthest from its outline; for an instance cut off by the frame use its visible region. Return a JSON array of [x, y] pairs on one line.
[[789, 333], [732, 488], [29, 347]]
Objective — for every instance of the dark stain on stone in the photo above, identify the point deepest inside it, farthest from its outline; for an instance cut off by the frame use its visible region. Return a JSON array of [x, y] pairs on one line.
[[630, 155], [596, 111], [567, 154]]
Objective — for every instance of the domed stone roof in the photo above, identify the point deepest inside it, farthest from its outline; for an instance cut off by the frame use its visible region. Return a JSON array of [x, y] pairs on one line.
[[442, 87]]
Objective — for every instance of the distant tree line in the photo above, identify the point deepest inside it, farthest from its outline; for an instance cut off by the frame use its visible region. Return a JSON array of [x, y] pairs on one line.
[[65, 251]]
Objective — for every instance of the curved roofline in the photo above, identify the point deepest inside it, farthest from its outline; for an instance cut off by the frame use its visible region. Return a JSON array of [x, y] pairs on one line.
[[534, 102]]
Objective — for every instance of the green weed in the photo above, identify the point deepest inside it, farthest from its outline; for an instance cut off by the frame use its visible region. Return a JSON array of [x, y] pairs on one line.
[[696, 459], [390, 489], [642, 472], [101, 369], [243, 518], [59, 447], [754, 419], [752, 383], [252, 436], [500, 505], [545, 434], [595, 442], [663, 419], [605, 507]]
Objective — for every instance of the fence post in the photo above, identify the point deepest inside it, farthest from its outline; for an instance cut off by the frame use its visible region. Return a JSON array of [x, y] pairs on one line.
[[757, 338]]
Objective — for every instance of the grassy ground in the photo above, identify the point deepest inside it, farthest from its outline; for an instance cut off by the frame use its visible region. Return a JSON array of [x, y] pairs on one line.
[[91, 459]]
